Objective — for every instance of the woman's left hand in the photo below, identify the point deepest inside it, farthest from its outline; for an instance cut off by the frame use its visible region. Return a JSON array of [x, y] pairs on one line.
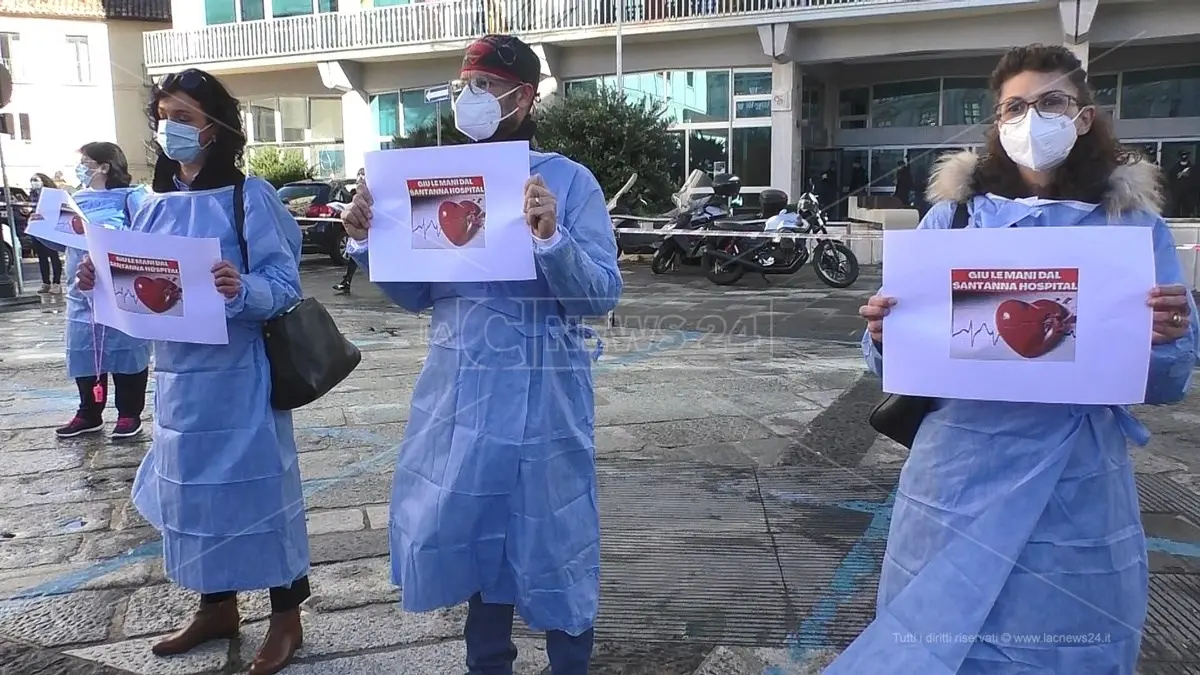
[[1172, 313], [541, 208], [229, 280]]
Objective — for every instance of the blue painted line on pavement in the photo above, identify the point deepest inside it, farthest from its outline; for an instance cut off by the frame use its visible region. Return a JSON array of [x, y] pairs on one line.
[[72, 581], [1183, 549]]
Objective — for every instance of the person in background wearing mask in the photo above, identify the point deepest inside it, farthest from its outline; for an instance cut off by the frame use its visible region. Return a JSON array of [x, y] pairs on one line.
[[94, 350], [50, 265], [1022, 519], [343, 286], [494, 499], [221, 481]]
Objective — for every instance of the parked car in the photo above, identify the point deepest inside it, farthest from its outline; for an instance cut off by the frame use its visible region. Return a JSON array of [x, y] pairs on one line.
[[21, 208], [312, 201]]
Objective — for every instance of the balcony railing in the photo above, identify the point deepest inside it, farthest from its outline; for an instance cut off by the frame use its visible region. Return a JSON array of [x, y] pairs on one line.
[[440, 20]]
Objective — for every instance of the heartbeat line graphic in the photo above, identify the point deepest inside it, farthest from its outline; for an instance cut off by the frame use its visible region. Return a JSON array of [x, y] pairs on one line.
[[428, 229], [974, 332], [124, 295]]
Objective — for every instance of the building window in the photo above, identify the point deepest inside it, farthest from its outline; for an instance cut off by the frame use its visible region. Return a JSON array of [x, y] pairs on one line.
[[752, 155], [325, 119], [854, 105], [253, 10], [906, 104], [20, 131], [698, 95], [1165, 92], [752, 84], [293, 118], [708, 150], [385, 108], [966, 101], [884, 164], [262, 120], [219, 11], [9, 43], [415, 112], [79, 63], [285, 8]]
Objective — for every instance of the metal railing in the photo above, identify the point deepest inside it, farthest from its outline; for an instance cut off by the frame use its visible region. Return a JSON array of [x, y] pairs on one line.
[[438, 21]]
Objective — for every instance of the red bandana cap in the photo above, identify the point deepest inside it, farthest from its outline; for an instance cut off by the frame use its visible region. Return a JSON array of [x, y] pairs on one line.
[[505, 57]]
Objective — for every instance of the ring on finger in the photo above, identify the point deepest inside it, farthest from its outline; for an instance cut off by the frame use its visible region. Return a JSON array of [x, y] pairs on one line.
[[1176, 320]]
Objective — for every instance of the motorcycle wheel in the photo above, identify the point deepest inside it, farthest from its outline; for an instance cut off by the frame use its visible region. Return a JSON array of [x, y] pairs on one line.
[[664, 260], [835, 264], [720, 274]]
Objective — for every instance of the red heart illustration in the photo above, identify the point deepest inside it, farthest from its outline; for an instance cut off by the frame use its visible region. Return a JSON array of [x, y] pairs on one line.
[[1032, 330], [156, 293], [77, 224], [460, 222]]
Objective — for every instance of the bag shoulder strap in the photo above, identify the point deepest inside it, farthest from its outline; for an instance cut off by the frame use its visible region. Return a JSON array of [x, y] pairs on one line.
[[239, 221], [961, 217]]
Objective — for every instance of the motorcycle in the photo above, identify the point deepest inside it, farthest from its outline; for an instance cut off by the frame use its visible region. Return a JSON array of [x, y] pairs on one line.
[[728, 259], [618, 206], [694, 214]]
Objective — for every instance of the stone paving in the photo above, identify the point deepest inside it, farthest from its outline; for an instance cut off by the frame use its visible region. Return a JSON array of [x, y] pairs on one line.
[[711, 566]]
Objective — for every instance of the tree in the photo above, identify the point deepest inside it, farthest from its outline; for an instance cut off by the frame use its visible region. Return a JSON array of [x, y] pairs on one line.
[[278, 166], [614, 136], [603, 130]]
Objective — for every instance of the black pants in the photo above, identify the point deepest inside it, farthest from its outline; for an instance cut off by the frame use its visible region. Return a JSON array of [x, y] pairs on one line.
[[131, 394], [283, 598], [351, 268], [48, 261]]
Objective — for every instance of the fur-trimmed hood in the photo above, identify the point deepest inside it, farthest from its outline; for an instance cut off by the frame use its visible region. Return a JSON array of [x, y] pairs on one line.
[[1131, 187]]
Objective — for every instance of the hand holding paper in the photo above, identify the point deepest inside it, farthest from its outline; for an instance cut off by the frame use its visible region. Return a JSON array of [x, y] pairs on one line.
[[1171, 313], [85, 275], [877, 307], [229, 280]]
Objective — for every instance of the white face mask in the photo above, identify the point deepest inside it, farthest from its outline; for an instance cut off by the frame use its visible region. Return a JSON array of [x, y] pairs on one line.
[[1037, 142], [478, 114]]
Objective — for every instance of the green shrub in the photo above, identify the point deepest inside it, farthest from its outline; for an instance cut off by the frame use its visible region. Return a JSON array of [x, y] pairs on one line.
[[278, 166]]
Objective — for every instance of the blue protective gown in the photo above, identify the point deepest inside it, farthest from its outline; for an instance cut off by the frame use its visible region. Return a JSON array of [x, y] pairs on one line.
[[495, 486], [222, 480], [1016, 543], [93, 348]]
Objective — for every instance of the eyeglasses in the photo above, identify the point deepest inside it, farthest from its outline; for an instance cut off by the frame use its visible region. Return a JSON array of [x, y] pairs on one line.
[[187, 80], [1049, 104], [480, 84]]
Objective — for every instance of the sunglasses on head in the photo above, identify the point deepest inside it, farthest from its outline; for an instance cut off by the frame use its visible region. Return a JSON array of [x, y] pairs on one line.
[[187, 80]]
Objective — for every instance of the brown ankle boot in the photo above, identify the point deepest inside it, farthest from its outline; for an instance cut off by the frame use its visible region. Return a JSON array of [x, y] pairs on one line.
[[216, 621], [284, 636]]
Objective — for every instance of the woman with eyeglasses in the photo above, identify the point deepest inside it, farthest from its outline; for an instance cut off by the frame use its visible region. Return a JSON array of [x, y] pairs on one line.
[[94, 350], [221, 480], [1016, 542], [50, 264]]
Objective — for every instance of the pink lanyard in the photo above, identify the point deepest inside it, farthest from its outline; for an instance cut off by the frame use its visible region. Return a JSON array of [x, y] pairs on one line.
[[97, 346]]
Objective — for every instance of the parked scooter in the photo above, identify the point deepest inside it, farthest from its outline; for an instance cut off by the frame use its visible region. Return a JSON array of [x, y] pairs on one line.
[[619, 206], [728, 259], [699, 214]]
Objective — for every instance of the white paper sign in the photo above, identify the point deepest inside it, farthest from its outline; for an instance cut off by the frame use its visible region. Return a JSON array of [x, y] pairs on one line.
[[1038, 314], [158, 286], [451, 213], [57, 218]]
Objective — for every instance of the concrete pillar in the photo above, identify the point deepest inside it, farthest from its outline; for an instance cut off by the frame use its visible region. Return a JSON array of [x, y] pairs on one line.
[[550, 56], [779, 42], [1076, 17], [786, 134], [358, 129]]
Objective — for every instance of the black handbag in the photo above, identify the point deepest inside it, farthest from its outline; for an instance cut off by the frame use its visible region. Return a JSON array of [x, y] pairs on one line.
[[309, 356], [899, 416]]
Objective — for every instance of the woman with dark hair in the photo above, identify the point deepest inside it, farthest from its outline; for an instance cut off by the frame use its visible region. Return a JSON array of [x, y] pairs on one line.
[[1016, 543], [49, 264], [93, 350], [221, 480]]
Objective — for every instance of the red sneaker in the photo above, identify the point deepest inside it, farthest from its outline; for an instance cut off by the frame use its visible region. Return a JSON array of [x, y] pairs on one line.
[[127, 427], [78, 427]]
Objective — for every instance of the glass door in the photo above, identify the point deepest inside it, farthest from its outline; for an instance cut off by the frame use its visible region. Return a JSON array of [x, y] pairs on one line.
[[822, 173]]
